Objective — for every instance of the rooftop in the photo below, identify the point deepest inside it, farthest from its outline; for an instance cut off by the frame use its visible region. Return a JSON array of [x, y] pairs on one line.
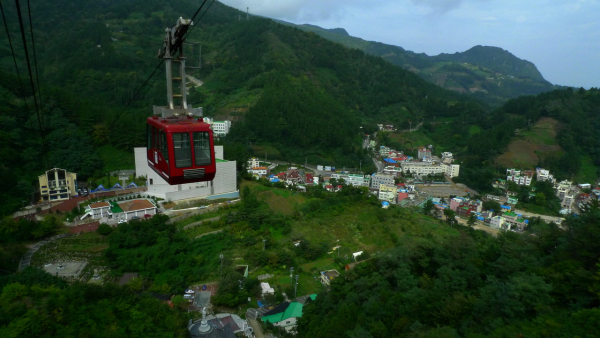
[[331, 274], [136, 205], [99, 205], [293, 310]]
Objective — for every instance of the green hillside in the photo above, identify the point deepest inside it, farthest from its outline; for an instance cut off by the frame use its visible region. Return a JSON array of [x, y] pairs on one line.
[[488, 73]]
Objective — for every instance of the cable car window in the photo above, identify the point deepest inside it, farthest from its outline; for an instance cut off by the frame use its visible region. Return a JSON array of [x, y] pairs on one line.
[[163, 146], [182, 150], [150, 135], [157, 134], [202, 148]]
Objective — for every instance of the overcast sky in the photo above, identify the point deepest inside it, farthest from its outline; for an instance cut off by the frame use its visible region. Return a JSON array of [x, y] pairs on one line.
[[561, 37]]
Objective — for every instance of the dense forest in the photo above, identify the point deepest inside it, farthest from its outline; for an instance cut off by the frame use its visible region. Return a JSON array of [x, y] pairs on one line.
[[35, 304], [543, 284]]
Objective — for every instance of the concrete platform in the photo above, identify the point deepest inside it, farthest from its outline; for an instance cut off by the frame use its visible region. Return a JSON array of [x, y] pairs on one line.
[[70, 269]]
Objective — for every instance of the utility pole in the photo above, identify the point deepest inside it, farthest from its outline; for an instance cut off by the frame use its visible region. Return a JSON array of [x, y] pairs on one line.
[[247, 15], [410, 125], [264, 241], [296, 287], [292, 275]]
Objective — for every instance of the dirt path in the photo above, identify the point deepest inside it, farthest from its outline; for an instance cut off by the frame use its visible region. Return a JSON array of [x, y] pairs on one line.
[[209, 233], [191, 225]]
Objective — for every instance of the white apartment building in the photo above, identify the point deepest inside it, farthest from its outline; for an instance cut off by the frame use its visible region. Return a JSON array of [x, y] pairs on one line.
[[355, 180], [395, 171], [520, 180], [543, 175], [452, 170], [425, 168], [496, 222], [447, 154], [513, 172], [378, 179], [259, 171], [220, 128], [252, 163]]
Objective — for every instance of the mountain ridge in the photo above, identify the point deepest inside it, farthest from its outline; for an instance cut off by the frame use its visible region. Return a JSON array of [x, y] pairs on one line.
[[489, 73]]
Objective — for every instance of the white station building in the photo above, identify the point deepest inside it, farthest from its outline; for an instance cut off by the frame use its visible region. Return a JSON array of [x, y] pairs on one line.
[[225, 182]]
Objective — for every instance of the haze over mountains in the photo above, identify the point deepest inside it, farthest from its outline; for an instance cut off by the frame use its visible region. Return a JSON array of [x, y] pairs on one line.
[[489, 73]]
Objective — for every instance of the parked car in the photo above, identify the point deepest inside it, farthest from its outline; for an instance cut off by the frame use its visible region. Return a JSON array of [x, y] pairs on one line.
[[147, 216], [202, 207], [134, 217], [122, 221]]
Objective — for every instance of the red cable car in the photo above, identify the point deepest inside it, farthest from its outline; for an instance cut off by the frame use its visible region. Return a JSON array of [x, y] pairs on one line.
[[181, 149], [180, 144]]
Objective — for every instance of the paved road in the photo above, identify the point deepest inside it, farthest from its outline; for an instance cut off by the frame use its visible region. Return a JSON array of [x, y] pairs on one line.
[[544, 217], [479, 226], [411, 130], [257, 329], [378, 164]]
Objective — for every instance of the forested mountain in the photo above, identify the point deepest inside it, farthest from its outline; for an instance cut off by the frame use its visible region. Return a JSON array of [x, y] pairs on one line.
[[489, 73]]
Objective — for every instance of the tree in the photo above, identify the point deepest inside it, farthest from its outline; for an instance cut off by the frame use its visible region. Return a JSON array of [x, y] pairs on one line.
[[450, 216], [540, 199], [104, 229], [472, 219], [428, 207], [492, 205]]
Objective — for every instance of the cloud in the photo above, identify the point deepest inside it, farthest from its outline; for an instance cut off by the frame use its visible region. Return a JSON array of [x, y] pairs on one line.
[[304, 11], [442, 6], [294, 10]]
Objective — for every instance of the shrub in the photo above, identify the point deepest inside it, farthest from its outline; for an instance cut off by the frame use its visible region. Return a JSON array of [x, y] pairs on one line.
[[104, 229]]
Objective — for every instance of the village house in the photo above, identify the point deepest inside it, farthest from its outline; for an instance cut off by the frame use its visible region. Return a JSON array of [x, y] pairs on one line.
[[387, 192]]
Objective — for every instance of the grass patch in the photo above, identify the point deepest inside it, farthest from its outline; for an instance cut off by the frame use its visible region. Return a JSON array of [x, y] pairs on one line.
[[413, 139], [89, 242], [276, 234], [307, 284], [543, 132], [269, 151], [281, 200], [320, 265]]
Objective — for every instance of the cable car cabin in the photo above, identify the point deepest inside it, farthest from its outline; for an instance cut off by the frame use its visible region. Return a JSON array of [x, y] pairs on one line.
[[181, 149]]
